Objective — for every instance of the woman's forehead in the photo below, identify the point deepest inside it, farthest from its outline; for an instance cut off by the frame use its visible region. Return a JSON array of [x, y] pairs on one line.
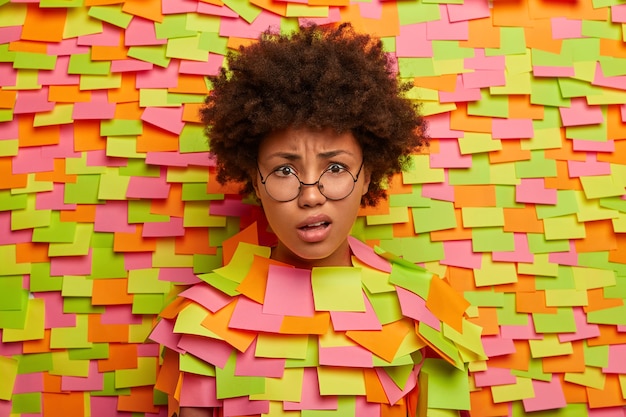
[[324, 142]]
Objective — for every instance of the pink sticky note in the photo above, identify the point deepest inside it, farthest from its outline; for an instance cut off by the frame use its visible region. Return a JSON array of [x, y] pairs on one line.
[[119, 314], [170, 119], [618, 13], [198, 391], [10, 129], [444, 29], [607, 412], [58, 76], [130, 65], [496, 345], [289, 292], [10, 34], [366, 409], [106, 407], [113, 217], [210, 67], [178, 275], [33, 101], [210, 350], [67, 47], [412, 42], [483, 78], [249, 315], [519, 332], [163, 334], [481, 62], [371, 10], [93, 382], [579, 113], [179, 160], [546, 71], [617, 365], [460, 93], [367, 255], [589, 167], [439, 127], [159, 229], [563, 28], [98, 108], [565, 258], [137, 260], [618, 82], [31, 382], [533, 190], [71, 265], [99, 158], [459, 253], [469, 10], [548, 396], [584, 330], [148, 187], [352, 320], [449, 156], [350, 356], [109, 36], [512, 128], [55, 317], [65, 147], [414, 306], [242, 406], [179, 6], [148, 350], [10, 237], [230, 206], [8, 75], [439, 191], [30, 160], [207, 296], [249, 365], [494, 376], [311, 399], [394, 394], [580, 145], [159, 77], [213, 10], [334, 16], [241, 29], [520, 254], [141, 31]]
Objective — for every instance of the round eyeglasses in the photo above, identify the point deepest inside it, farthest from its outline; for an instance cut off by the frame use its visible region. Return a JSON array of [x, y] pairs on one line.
[[335, 183]]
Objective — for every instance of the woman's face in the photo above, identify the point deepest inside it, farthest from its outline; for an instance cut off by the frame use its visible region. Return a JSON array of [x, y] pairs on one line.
[[312, 230]]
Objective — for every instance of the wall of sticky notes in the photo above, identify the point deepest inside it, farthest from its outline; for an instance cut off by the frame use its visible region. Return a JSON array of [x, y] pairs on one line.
[[108, 201]]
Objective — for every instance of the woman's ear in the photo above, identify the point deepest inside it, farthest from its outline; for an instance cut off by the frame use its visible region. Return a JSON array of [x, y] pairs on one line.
[[254, 179], [367, 178]]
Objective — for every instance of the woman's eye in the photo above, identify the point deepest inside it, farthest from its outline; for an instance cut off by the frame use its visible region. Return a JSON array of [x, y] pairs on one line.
[[336, 168], [284, 171]]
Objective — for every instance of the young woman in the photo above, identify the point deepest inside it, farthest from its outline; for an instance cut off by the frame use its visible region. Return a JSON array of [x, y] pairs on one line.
[[312, 123]]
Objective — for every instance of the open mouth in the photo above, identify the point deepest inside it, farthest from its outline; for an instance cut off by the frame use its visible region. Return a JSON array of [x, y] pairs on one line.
[[313, 226]]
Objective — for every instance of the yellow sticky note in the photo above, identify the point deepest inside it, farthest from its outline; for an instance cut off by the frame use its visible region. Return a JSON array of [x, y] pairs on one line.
[[566, 297], [549, 346], [341, 381], [482, 216], [165, 256], [337, 289], [71, 337], [145, 374], [241, 262], [194, 365], [495, 273], [476, 142], [541, 265], [589, 278], [63, 365], [287, 388], [469, 339], [189, 321], [563, 227], [146, 281], [592, 377], [421, 172], [34, 326], [395, 215], [281, 346], [8, 370], [80, 246], [523, 388]]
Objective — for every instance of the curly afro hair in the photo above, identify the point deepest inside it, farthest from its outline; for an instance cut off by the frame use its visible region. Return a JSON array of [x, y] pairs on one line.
[[318, 77]]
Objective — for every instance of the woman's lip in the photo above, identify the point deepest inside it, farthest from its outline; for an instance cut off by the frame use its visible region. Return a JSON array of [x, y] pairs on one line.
[[314, 234], [313, 220]]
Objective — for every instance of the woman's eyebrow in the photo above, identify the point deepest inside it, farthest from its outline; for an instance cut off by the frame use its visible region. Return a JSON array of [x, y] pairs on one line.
[[332, 154]]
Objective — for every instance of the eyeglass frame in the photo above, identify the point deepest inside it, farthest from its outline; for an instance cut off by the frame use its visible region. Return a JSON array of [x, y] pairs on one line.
[[354, 179]]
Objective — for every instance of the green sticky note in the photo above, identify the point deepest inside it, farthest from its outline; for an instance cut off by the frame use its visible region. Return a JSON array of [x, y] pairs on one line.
[[100, 82], [489, 106], [123, 147], [56, 231], [173, 26], [601, 186], [109, 390], [230, 386], [543, 139], [40, 279], [34, 60], [111, 14], [561, 322], [212, 42], [383, 231], [386, 305], [82, 64], [439, 216], [564, 280], [535, 371], [286, 388], [60, 115], [505, 197], [495, 273], [566, 204], [417, 12], [71, 337], [9, 147], [597, 356], [191, 364], [145, 374], [225, 285], [538, 243], [482, 217], [563, 227], [512, 42], [95, 351], [412, 278], [146, 281], [492, 239], [187, 48], [77, 286], [34, 362], [81, 305], [34, 324], [421, 172], [148, 303], [337, 289], [112, 186], [414, 199], [79, 23], [83, 191], [571, 87], [155, 54], [192, 139], [27, 403], [537, 167], [121, 127], [416, 67], [198, 192], [80, 245], [508, 315], [246, 10], [478, 174], [484, 298], [8, 254], [11, 296], [139, 212], [604, 29], [612, 66], [107, 264], [545, 91], [550, 59], [448, 387], [241, 261], [541, 265], [549, 346], [10, 202], [421, 249], [30, 217], [64, 366], [476, 142], [597, 132], [568, 297]]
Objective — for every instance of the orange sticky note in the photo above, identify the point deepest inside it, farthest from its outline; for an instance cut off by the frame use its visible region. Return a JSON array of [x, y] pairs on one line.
[[474, 196], [121, 356], [153, 139], [57, 404], [7, 99], [87, 136], [445, 82], [84, 213], [31, 252], [218, 324], [173, 205], [248, 235], [374, 390], [149, 9], [385, 342], [446, 304], [140, 400], [194, 241], [7, 179], [57, 174], [133, 242], [318, 324], [111, 292], [36, 136], [44, 24], [523, 220], [511, 152]]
